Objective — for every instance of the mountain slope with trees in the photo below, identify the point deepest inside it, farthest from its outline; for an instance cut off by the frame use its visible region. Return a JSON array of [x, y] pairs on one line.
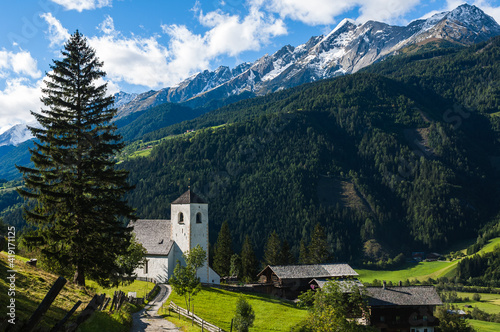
[[366, 157]]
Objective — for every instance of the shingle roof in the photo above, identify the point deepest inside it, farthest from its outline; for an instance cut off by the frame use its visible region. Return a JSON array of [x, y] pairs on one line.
[[189, 197], [344, 284], [312, 271], [403, 296], [154, 235]]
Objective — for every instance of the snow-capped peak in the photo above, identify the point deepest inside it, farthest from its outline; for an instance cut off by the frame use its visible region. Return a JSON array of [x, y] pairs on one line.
[[344, 22], [17, 134]]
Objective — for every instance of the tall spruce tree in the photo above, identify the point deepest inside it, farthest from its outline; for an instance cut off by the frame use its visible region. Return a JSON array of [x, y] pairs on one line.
[[75, 190], [223, 251], [272, 251], [286, 255], [248, 260], [318, 247], [303, 254]]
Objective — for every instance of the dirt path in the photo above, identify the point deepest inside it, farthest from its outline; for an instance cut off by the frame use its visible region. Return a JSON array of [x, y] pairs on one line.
[[148, 319]]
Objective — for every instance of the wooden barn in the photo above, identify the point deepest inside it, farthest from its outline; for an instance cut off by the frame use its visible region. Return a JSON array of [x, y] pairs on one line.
[[289, 281], [408, 309]]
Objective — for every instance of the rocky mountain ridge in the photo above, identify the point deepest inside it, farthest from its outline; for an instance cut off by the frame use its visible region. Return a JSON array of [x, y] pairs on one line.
[[345, 50]]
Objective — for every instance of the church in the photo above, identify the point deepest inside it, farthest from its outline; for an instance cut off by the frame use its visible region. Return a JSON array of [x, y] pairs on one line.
[[166, 240]]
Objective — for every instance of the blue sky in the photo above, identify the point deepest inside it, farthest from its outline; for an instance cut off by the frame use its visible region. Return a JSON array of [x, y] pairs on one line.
[[148, 44]]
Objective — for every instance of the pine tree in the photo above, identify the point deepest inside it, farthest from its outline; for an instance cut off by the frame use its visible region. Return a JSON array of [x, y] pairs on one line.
[[244, 315], [318, 248], [223, 251], [235, 269], [272, 252], [286, 254], [248, 260], [303, 254], [75, 188]]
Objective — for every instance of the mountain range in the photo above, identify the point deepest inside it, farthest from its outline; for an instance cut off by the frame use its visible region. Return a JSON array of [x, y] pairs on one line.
[[345, 50]]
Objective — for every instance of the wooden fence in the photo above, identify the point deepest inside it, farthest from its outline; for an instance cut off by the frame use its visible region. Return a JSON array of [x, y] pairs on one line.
[[205, 326], [98, 303]]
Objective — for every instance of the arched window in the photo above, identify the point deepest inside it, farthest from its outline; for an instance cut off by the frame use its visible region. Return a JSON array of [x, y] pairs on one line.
[[198, 218], [181, 218]]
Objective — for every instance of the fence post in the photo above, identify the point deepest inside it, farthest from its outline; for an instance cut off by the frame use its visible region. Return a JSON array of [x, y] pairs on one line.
[[44, 306], [86, 313], [60, 324], [232, 324]]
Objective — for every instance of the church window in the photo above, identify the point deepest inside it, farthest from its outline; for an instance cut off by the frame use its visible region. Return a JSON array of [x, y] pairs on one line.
[[146, 267], [198, 218], [181, 218]]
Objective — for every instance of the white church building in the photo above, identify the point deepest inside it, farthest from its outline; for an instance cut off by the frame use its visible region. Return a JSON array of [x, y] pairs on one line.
[[166, 240]]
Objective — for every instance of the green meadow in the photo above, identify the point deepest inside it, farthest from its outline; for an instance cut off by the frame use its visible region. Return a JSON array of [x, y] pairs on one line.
[[489, 303], [217, 306], [420, 271], [481, 326]]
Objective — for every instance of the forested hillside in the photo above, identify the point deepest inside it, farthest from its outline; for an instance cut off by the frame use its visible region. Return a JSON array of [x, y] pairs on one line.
[[469, 76], [365, 156]]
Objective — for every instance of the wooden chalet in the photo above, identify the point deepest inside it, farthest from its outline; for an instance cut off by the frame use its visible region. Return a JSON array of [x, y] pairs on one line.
[[289, 281], [398, 309]]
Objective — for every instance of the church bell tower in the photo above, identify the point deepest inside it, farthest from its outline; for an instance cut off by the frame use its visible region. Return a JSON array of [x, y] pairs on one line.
[[189, 226]]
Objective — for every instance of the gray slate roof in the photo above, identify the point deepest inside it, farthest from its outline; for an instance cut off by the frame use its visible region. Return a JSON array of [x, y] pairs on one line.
[[403, 296], [312, 271], [189, 197], [344, 284], [154, 235]]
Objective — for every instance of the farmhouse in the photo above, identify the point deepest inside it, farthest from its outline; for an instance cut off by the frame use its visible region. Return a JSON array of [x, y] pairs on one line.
[[289, 281], [394, 309], [166, 240]]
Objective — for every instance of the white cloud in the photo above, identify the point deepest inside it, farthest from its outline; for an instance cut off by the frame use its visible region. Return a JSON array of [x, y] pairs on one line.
[[57, 34], [21, 63], [107, 26], [81, 5], [135, 60], [145, 61], [312, 12], [227, 35], [17, 100], [320, 12], [230, 35], [389, 11]]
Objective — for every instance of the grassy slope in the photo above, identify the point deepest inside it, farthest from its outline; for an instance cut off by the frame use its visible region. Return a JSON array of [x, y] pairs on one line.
[[484, 326], [420, 271], [491, 244], [217, 307], [139, 149], [489, 303], [32, 284], [140, 287]]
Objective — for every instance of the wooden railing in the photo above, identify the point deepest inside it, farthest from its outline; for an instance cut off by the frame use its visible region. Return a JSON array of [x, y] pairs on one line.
[[205, 326]]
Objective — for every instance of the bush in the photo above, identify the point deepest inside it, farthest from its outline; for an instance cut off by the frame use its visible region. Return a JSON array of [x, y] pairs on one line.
[[476, 297], [244, 315]]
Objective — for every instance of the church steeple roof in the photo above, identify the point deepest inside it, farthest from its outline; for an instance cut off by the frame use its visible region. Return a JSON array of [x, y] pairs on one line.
[[189, 197]]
